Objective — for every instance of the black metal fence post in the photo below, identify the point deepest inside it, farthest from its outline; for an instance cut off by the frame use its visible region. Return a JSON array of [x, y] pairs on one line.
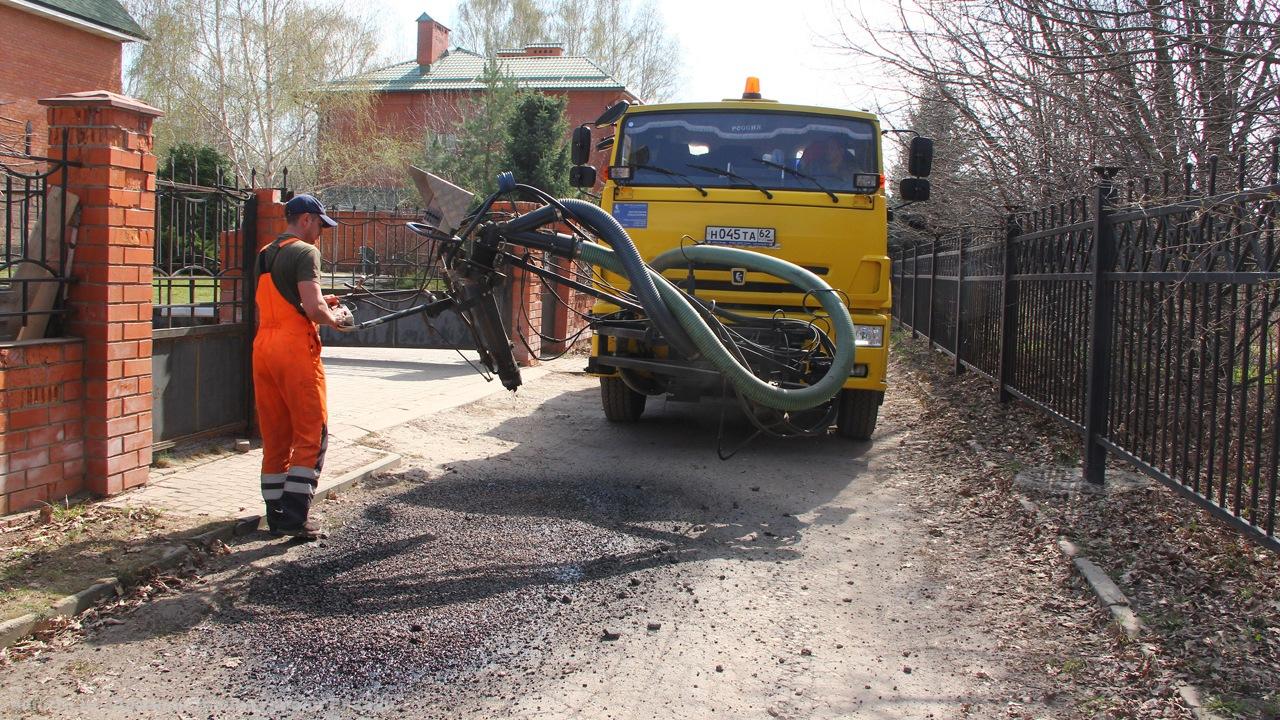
[[960, 242], [933, 279], [1008, 308], [1099, 376], [248, 290], [915, 284], [895, 296]]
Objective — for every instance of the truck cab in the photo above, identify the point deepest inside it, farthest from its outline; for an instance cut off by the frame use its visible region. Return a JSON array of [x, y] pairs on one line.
[[802, 183]]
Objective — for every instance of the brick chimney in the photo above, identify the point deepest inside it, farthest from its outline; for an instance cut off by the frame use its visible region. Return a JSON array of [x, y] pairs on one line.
[[433, 40], [544, 50]]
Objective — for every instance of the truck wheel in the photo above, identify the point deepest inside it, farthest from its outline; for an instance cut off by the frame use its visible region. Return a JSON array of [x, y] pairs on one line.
[[858, 412], [621, 403]]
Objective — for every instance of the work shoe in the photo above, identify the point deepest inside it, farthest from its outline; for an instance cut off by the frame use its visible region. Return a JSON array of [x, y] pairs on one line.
[[306, 532]]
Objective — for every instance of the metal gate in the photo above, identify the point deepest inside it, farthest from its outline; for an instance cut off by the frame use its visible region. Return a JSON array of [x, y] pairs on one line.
[[373, 252], [203, 313]]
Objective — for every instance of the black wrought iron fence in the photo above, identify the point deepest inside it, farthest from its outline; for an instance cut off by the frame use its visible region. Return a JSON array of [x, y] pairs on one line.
[[1153, 328], [374, 250], [202, 313], [198, 277], [37, 218]]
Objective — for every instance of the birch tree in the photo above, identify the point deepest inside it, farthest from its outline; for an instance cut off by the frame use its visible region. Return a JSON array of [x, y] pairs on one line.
[[248, 76]]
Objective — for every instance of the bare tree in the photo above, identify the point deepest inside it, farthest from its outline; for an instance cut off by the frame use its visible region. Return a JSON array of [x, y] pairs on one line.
[[1048, 88], [628, 39], [248, 76], [488, 26], [961, 178]]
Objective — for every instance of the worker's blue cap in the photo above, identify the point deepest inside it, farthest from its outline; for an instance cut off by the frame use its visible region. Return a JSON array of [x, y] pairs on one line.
[[308, 204]]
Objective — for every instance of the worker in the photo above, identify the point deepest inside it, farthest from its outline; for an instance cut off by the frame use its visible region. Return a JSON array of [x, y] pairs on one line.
[[827, 157], [288, 377]]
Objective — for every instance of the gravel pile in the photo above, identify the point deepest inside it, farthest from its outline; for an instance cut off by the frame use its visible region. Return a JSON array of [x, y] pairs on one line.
[[450, 577]]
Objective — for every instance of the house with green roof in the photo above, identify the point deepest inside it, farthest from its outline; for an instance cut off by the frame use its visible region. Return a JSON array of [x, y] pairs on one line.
[[51, 47], [429, 93]]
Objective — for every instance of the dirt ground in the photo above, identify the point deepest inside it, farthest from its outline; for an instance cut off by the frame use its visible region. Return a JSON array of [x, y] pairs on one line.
[[45, 556], [532, 560]]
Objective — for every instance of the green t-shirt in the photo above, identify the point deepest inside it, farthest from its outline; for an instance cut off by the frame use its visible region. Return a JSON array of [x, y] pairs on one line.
[[291, 264]]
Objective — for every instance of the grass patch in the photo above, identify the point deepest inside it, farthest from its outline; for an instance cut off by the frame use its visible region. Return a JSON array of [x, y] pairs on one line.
[[184, 290], [1235, 707], [192, 453], [1071, 666]]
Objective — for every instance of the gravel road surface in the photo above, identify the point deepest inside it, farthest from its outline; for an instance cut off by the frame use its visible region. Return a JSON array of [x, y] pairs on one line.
[[532, 560]]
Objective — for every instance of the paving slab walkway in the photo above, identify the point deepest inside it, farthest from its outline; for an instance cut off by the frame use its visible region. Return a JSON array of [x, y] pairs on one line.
[[370, 390]]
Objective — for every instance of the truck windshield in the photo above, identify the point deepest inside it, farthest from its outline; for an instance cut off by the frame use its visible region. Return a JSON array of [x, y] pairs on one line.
[[775, 150]]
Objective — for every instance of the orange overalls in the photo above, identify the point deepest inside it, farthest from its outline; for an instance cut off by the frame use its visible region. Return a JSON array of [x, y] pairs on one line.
[[289, 389]]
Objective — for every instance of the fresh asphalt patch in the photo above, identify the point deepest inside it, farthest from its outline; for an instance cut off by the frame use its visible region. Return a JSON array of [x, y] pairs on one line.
[[463, 573]]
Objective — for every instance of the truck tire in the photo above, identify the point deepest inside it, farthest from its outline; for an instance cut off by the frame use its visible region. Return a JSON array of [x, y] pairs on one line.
[[621, 403], [858, 412]]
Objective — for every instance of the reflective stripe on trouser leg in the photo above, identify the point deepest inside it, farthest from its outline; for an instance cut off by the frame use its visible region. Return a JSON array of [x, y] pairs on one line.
[[300, 486], [273, 485]]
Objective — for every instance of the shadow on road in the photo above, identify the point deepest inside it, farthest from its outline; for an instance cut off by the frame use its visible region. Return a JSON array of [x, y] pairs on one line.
[[570, 515], [585, 500]]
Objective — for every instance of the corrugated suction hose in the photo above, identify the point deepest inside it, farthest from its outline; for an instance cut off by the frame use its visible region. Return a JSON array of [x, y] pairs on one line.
[[661, 299]]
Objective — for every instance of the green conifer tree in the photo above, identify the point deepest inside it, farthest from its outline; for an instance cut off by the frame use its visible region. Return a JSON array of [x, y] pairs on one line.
[[479, 148], [536, 150]]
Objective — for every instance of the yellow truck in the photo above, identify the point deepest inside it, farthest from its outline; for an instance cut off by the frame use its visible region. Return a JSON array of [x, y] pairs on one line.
[[804, 184]]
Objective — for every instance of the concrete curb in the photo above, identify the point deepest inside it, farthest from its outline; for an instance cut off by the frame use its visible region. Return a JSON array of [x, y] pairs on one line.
[[388, 461], [12, 631], [1116, 602]]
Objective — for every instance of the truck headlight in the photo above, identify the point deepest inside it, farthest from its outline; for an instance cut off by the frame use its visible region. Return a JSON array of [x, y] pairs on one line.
[[868, 335]]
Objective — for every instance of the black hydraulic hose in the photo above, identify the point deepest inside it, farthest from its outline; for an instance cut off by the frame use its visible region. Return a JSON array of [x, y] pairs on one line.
[[610, 231]]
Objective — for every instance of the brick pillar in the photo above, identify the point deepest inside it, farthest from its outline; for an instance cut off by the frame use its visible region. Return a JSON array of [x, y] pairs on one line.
[[270, 216], [526, 314], [559, 310], [110, 293]]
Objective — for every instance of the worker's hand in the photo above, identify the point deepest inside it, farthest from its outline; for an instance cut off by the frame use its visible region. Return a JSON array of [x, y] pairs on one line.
[[344, 320], [331, 300]]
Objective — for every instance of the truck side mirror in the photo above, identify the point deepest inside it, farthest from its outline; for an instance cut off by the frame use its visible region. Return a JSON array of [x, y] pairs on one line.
[[920, 157], [582, 176], [580, 147], [611, 115], [914, 189]]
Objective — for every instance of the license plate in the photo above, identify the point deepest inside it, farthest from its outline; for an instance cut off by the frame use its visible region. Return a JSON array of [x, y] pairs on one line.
[[744, 236]]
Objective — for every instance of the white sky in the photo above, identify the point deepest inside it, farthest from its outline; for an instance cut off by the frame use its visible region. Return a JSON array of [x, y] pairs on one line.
[[783, 42]]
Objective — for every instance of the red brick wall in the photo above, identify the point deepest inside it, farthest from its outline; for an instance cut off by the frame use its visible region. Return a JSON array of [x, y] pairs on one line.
[[41, 58], [41, 430], [566, 321]]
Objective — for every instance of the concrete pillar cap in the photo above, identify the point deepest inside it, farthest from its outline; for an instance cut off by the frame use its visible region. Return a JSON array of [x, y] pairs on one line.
[[101, 98]]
